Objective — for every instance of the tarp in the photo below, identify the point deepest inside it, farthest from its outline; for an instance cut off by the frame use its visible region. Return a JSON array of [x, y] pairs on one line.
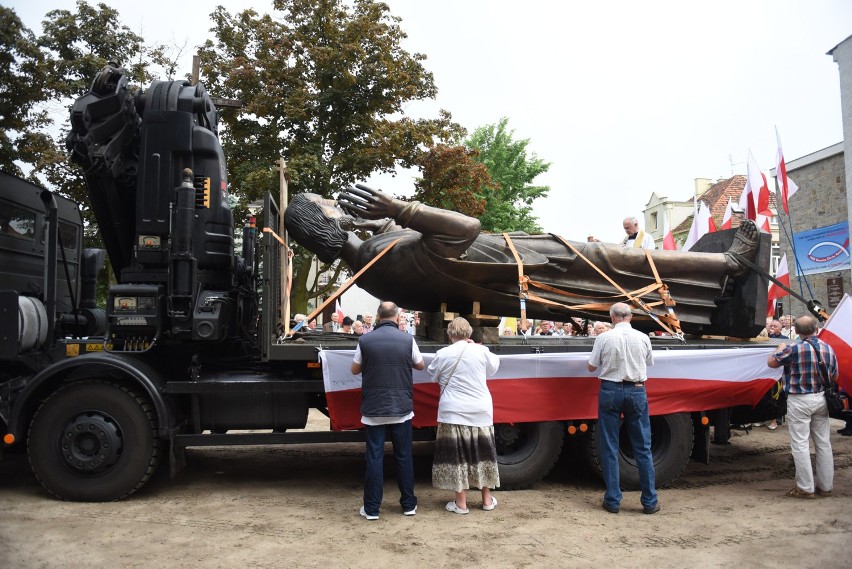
[[551, 387]]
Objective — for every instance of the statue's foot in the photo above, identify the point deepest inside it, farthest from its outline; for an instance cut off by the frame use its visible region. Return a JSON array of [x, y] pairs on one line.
[[745, 243]]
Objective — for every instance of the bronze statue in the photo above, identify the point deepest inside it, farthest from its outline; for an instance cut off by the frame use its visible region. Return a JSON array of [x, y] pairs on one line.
[[442, 258]]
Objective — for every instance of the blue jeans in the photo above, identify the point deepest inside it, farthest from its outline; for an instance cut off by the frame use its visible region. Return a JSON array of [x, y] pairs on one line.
[[615, 399], [374, 479]]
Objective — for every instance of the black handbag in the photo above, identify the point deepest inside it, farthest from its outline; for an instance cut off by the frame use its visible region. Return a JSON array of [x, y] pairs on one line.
[[837, 403]]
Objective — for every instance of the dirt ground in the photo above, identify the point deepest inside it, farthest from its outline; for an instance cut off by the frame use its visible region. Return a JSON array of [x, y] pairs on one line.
[[297, 506]]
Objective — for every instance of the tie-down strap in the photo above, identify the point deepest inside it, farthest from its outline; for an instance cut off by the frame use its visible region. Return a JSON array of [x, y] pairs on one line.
[[524, 282]]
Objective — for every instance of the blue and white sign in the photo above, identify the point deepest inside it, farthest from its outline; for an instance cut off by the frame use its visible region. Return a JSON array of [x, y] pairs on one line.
[[823, 249]]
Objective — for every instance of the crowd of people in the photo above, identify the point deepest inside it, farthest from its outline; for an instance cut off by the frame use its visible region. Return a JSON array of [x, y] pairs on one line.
[[465, 448], [554, 328], [362, 324]]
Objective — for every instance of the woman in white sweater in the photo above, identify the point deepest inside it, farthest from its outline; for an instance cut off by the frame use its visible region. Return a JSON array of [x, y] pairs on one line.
[[465, 453]]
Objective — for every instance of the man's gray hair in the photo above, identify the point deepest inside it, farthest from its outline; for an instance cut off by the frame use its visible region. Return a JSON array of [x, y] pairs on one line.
[[632, 219], [805, 325], [387, 311], [620, 310]]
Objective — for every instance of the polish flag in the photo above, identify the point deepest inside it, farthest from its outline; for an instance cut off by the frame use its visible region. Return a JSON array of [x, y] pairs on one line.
[[762, 223], [775, 291], [711, 225], [340, 315], [700, 226], [788, 188], [668, 237], [726, 219], [837, 332], [559, 387], [759, 187]]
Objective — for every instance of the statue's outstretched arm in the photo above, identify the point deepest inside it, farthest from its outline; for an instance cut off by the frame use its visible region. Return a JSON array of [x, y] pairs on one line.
[[447, 233]]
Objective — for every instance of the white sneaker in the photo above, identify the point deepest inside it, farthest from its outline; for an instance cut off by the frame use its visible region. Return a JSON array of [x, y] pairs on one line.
[[492, 506], [452, 507], [412, 512], [366, 515]]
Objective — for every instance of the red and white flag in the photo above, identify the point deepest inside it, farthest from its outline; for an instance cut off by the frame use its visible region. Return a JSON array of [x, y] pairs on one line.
[[762, 223], [668, 237], [559, 387], [726, 219], [759, 186], [788, 188], [700, 227], [340, 315], [837, 332], [775, 291]]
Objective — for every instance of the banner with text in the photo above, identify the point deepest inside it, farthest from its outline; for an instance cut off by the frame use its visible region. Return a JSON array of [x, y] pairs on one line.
[[823, 249]]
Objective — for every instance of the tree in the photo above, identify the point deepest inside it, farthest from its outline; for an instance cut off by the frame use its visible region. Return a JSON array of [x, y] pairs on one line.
[[20, 93], [324, 84], [509, 207], [453, 179]]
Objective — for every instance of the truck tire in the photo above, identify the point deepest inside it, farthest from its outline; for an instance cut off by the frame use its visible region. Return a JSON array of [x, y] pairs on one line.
[[671, 447], [93, 441], [526, 452]]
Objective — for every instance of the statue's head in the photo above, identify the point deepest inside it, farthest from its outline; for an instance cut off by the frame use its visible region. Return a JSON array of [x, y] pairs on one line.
[[314, 222]]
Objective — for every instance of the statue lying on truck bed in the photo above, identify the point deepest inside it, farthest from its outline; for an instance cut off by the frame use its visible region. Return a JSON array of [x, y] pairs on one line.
[[442, 258]]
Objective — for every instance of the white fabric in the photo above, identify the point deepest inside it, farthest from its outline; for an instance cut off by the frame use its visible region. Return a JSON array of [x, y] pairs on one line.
[[622, 354], [465, 399], [416, 356], [647, 242], [807, 417], [376, 421]]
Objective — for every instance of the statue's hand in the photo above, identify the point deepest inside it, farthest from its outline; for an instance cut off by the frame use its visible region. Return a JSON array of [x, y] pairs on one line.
[[363, 201]]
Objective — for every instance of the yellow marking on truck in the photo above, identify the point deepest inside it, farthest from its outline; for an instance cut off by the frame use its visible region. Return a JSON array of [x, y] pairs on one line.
[[72, 350], [94, 347]]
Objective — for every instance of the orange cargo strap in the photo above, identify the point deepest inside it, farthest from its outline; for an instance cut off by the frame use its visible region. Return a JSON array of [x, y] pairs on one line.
[[350, 282], [634, 297], [523, 290], [524, 282]]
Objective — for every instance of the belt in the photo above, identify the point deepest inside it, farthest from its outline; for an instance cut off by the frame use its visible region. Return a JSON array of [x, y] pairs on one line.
[[630, 383]]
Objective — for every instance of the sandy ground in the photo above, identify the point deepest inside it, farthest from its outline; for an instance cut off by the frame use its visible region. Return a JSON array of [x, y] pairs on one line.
[[297, 506]]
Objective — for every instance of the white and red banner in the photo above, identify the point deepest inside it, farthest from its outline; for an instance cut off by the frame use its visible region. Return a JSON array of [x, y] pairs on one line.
[[788, 188], [555, 387], [837, 332], [775, 291], [668, 237], [727, 221]]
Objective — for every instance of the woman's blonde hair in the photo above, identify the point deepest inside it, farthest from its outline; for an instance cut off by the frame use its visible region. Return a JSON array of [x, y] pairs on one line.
[[459, 329]]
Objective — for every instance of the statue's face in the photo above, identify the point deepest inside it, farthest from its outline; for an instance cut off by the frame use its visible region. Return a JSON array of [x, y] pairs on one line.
[[328, 207]]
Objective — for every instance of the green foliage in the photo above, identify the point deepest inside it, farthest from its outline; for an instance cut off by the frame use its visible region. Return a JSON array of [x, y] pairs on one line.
[[323, 83], [20, 93], [454, 180], [509, 206]]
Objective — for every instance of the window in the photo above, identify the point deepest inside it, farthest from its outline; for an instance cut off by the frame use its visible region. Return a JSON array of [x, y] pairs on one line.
[[68, 235], [16, 221], [654, 221]]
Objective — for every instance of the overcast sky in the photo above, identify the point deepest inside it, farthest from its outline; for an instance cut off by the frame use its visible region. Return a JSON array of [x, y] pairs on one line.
[[624, 98]]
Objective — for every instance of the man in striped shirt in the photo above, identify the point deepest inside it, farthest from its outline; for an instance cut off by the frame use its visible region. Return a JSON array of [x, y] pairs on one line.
[[807, 413]]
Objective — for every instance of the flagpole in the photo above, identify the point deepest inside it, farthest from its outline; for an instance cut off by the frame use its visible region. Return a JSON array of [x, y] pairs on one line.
[[799, 271]]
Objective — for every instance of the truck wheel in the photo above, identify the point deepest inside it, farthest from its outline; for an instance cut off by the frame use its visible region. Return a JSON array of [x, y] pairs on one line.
[[526, 452], [93, 441], [671, 447]]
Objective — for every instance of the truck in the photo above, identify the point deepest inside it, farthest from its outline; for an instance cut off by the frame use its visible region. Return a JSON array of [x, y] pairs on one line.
[[190, 348]]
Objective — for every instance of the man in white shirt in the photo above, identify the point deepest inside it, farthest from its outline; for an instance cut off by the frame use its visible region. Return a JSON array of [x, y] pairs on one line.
[[636, 238], [622, 356]]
